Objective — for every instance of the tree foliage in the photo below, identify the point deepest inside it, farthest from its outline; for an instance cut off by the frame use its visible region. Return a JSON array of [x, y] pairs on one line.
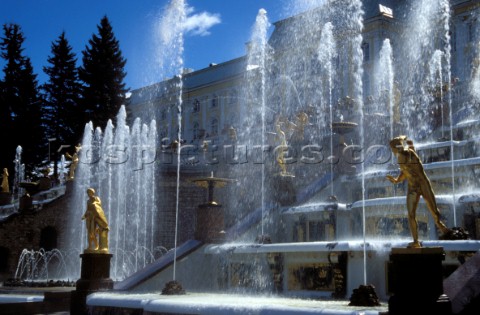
[[20, 104], [62, 94], [102, 74], [71, 97], [61, 108]]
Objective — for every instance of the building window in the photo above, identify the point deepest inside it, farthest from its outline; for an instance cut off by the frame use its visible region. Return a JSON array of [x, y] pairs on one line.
[[214, 102], [233, 97], [366, 52], [163, 114], [196, 106], [471, 31], [196, 128], [214, 127]]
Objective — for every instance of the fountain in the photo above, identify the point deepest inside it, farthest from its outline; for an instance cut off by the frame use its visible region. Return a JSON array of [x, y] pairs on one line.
[[19, 173], [286, 244], [326, 56], [106, 159], [210, 215], [320, 245]]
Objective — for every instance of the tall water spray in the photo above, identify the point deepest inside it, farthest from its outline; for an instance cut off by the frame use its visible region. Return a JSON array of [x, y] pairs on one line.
[[384, 76], [356, 26], [257, 61], [425, 44], [346, 19], [348, 26], [426, 22], [19, 172], [326, 55], [62, 174], [445, 27], [436, 83], [118, 164], [474, 87], [171, 28]]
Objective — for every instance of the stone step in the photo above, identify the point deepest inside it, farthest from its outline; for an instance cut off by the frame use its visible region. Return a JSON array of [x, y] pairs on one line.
[[463, 285]]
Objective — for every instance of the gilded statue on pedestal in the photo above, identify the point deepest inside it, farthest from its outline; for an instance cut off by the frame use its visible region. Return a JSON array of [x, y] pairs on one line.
[[411, 170], [75, 160], [96, 223], [5, 187], [283, 145]]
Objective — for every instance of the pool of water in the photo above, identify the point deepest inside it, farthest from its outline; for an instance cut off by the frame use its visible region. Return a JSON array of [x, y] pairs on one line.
[[221, 304]]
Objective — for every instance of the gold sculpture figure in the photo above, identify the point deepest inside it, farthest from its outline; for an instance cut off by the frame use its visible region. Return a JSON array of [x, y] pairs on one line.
[[75, 159], [5, 187], [283, 144], [301, 121], [411, 170], [232, 133], [96, 223]]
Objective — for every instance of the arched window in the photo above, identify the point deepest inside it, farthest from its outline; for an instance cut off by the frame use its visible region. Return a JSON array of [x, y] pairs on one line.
[[214, 102], [471, 31], [214, 127], [233, 95], [366, 51], [196, 106], [337, 62], [196, 128], [48, 238]]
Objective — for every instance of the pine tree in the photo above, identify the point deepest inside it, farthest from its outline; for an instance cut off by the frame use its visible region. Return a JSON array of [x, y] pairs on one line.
[[62, 95], [20, 101], [102, 73]]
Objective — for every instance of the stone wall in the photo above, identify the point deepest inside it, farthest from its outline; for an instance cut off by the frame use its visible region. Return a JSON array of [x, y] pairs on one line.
[[23, 230], [190, 196]]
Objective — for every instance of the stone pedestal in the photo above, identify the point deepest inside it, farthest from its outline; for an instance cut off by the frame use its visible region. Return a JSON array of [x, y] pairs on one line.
[[25, 203], [416, 280], [69, 186], [283, 188], [95, 276], [210, 223]]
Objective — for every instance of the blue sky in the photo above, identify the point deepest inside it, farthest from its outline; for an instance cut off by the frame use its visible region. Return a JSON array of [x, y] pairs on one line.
[[219, 29]]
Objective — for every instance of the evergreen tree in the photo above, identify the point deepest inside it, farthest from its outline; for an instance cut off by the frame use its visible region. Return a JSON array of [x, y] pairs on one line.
[[62, 95], [20, 102], [6, 125], [102, 74]]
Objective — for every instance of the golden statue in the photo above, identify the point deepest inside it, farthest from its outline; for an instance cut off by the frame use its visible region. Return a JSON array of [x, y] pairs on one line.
[[283, 144], [232, 133], [205, 145], [96, 223], [411, 169], [301, 121], [5, 187], [75, 159]]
